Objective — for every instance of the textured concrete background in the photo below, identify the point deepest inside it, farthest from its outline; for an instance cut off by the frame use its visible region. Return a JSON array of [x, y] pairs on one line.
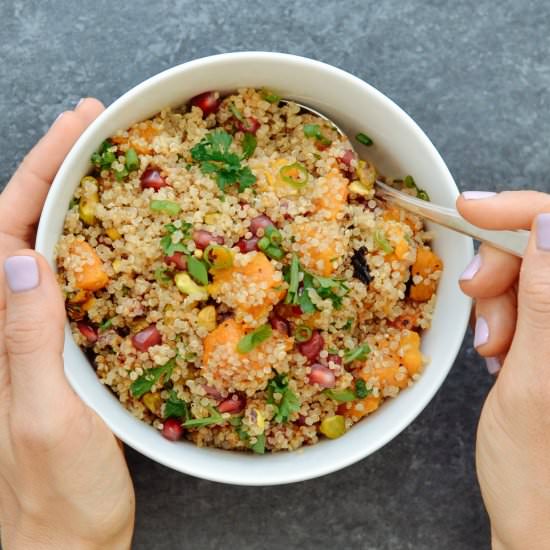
[[473, 74]]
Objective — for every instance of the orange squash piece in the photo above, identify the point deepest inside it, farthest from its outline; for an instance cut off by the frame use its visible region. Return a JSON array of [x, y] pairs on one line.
[[93, 276]]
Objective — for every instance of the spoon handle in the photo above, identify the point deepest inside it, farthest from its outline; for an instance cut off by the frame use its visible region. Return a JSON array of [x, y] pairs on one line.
[[513, 242]]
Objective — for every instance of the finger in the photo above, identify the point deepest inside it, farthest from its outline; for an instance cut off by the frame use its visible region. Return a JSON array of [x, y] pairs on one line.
[[495, 324], [24, 196], [506, 210], [531, 345], [33, 332], [490, 273]]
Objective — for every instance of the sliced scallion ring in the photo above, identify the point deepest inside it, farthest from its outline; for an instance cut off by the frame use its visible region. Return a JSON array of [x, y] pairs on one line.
[[302, 333]]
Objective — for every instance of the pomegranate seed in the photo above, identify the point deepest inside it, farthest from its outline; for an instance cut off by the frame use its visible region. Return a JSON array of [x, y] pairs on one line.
[[347, 158], [152, 179], [260, 222], [250, 125], [172, 429], [203, 238], [336, 359], [248, 245], [212, 392], [232, 405], [207, 102], [278, 323], [146, 338], [322, 376], [88, 332], [177, 259], [312, 347], [301, 420], [288, 310]]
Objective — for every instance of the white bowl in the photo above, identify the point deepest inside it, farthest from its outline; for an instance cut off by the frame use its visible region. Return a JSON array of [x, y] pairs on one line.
[[400, 148]]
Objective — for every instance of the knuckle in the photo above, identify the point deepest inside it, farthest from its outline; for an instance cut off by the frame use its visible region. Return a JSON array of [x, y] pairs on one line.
[[535, 295], [23, 336]]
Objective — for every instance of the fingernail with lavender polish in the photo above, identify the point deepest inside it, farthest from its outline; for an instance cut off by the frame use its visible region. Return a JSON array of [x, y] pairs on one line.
[[543, 232], [21, 273], [471, 269], [492, 364], [476, 195], [481, 335]]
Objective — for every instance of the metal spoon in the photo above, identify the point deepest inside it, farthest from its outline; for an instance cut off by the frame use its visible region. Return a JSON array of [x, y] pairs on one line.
[[513, 242]]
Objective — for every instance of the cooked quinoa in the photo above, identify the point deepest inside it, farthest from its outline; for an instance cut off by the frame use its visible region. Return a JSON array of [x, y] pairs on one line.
[[235, 281]]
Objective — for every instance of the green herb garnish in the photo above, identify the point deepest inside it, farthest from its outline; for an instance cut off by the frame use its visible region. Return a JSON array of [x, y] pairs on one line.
[[104, 157], [348, 325], [314, 131], [236, 113], [175, 407], [358, 353], [217, 161], [106, 325], [214, 418], [160, 275], [151, 377], [381, 242], [168, 246], [197, 270], [270, 243], [270, 96], [364, 139], [249, 145], [420, 193], [288, 403], [361, 389], [131, 160], [253, 339], [73, 203]]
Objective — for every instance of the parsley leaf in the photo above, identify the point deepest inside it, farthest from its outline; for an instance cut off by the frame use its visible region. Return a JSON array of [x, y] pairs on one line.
[[325, 287], [360, 352], [289, 402], [216, 160], [175, 407], [150, 377], [214, 418]]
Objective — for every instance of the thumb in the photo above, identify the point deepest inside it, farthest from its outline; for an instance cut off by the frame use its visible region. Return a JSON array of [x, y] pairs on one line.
[[531, 345], [33, 331]]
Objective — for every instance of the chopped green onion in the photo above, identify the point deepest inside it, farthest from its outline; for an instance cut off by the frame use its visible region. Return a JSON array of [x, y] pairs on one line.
[[294, 174], [106, 324], [236, 113], [274, 252], [270, 96], [197, 270], [264, 243], [168, 207], [218, 257], [314, 131], [361, 389], [294, 281], [409, 182], [273, 234], [214, 418], [259, 446], [131, 161], [360, 352], [302, 333], [381, 242], [364, 139], [255, 338], [340, 395], [73, 203]]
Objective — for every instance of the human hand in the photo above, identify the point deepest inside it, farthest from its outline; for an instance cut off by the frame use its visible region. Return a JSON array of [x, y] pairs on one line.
[[513, 330], [64, 482]]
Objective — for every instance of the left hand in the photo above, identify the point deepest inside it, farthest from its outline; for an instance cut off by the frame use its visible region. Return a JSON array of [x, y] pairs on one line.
[[64, 482]]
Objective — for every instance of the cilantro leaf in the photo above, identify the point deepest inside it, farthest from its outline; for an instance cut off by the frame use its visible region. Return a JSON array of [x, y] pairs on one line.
[[175, 407], [361, 389], [253, 339], [249, 145], [151, 377], [289, 402], [360, 352], [215, 159]]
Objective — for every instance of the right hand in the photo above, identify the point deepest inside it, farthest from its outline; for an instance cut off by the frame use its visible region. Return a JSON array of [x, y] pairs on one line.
[[64, 483], [512, 308]]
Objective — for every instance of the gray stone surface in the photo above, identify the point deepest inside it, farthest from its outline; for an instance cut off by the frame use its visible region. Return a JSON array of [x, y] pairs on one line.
[[474, 74]]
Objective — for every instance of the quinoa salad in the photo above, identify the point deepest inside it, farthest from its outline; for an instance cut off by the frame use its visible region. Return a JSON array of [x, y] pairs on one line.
[[234, 280]]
